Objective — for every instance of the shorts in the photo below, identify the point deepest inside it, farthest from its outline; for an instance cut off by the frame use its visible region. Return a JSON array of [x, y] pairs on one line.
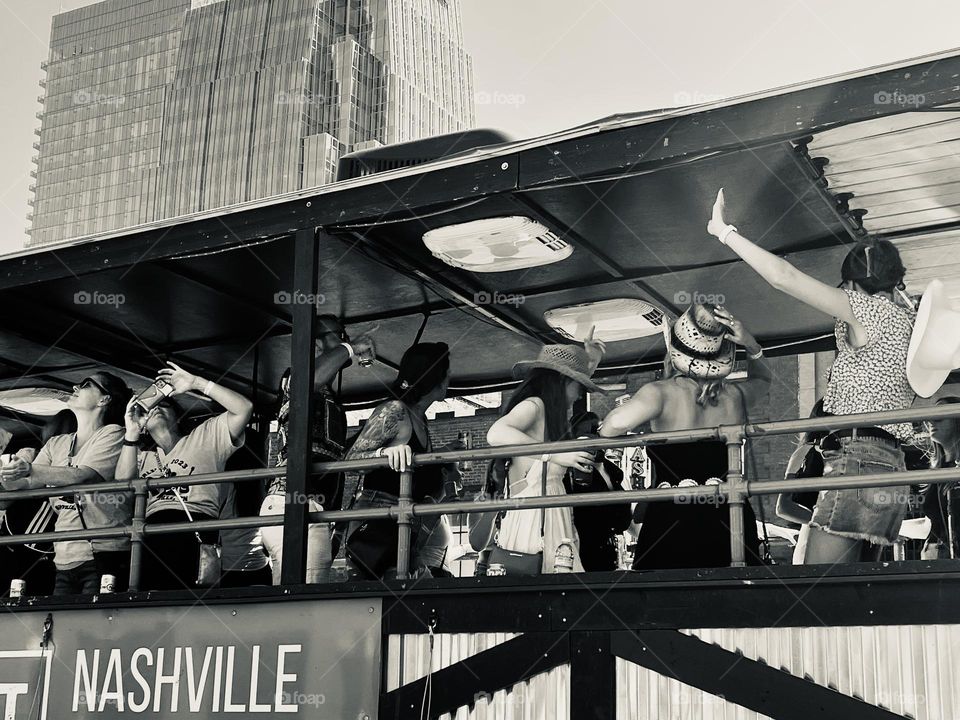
[[873, 514]]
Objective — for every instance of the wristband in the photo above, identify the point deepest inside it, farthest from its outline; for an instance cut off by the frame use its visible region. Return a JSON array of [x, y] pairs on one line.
[[725, 233], [131, 443], [380, 452], [756, 356], [208, 387], [349, 348]]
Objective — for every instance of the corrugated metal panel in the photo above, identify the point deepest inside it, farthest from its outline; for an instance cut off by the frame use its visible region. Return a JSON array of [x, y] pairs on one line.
[[543, 697], [643, 694], [910, 670], [903, 170]]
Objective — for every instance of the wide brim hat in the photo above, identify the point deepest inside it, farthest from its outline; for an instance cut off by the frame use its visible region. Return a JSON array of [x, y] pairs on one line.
[[699, 347], [571, 361], [935, 342]]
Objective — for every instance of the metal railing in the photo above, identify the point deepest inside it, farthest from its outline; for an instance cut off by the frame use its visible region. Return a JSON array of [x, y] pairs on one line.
[[734, 492]]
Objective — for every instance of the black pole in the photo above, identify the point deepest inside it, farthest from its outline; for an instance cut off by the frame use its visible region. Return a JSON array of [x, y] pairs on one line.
[[593, 676], [303, 309]]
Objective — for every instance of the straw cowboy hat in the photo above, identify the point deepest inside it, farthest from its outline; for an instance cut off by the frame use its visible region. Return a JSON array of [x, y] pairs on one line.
[[569, 360], [698, 345], [935, 342]]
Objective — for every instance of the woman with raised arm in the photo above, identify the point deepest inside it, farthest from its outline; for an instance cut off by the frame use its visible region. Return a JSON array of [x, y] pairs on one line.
[[172, 561], [397, 430], [869, 374], [701, 348], [539, 411]]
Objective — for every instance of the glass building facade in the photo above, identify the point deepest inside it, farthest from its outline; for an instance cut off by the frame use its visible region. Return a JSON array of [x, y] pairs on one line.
[[160, 108]]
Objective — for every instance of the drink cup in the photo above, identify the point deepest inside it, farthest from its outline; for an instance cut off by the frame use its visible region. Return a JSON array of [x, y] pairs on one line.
[[17, 588]]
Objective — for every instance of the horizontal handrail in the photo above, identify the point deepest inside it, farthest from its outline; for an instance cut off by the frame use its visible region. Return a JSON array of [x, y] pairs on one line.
[[752, 430], [687, 495], [734, 492]]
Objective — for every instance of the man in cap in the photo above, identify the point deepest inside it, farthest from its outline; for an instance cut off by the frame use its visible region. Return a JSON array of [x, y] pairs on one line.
[[328, 436]]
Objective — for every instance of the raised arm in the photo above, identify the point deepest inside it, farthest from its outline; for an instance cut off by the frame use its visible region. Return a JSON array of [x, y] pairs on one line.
[[758, 371], [238, 408], [645, 405], [133, 420], [778, 272]]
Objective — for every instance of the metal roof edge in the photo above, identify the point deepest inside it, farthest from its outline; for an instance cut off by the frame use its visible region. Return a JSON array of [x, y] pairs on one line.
[[610, 123]]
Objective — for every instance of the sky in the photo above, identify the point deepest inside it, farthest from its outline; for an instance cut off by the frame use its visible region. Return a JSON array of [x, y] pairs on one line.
[[545, 65]]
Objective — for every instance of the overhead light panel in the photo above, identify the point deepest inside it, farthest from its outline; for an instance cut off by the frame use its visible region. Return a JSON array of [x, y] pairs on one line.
[[612, 320], [496, 244]]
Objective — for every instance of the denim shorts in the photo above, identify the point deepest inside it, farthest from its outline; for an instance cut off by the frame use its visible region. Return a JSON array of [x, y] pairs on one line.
[[873, 514]]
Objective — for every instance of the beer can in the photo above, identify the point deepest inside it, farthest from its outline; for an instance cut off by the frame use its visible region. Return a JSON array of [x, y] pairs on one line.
[[563, 560], [495, 570], [107, 583], [17, 588]]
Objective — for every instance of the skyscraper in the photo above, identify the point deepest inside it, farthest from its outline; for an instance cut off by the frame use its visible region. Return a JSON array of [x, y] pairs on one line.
[[159, 108]]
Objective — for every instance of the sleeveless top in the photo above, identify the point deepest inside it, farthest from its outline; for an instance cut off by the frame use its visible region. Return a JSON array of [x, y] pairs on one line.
[[694, 534]]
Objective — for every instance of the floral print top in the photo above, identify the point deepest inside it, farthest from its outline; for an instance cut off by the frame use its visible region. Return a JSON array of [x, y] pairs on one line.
[[873, 378]]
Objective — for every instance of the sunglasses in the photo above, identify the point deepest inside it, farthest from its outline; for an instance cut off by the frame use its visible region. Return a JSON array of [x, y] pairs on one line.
[[90, 382]]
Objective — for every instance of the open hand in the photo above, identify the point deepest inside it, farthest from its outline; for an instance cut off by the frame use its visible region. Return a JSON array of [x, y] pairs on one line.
[[718, 219], [181, 380], [400, 457], [735, 329]]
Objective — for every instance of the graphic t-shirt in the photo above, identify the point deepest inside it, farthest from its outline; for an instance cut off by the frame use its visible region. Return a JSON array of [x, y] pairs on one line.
[[205, 450], [100, 510]]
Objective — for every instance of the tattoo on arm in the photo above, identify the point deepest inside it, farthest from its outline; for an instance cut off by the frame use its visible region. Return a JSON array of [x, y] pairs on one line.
[[382, 427]]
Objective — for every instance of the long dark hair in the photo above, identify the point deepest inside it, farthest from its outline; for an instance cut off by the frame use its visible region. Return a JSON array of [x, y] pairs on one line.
[[550, 387], [119, 396]]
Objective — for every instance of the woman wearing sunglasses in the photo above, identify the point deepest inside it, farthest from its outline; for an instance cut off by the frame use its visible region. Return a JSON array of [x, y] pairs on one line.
[[88, 455]]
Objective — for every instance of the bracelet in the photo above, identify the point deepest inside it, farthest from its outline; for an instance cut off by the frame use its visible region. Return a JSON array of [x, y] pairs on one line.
[[756, 356], [350, 350], [380, 452], [725, 233], [208, 387], [131, 443]]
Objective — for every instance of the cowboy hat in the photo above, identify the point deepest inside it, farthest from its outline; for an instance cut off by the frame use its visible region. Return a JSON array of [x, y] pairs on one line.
[[571, 361], [935, 342], [698, 345]]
